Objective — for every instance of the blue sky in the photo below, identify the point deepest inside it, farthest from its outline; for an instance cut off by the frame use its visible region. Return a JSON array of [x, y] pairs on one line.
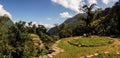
[[47, 11]]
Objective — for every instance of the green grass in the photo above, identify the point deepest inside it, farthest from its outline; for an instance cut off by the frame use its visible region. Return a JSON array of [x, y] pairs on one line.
[[35, 37], [90, 41], [109, 55], [76, 52]]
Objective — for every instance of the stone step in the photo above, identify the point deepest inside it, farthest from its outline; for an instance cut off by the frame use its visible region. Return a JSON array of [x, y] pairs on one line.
[[55, 48], [83, 57], [50, 55], [45, 56], [53, 53], [96, 54]]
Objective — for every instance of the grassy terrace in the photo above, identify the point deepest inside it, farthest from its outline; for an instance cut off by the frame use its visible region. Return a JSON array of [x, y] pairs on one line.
[[35, 37], [92, 41], [76, 52]]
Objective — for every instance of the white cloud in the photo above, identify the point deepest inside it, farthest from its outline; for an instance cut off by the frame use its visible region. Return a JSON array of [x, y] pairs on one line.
[[70, 4], [108, 1], [92, 1], [48, 26], [65, 15], [3, 12], [76, 4], [105, 1]]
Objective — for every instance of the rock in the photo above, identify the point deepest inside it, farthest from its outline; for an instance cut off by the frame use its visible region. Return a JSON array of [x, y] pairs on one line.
[[57, 52], [53, 53], [117, 53], [79, 45], [106, 52], [88, 56], [96, 54], [58, 41], [50, 55], [75, 38], [55, 45], [58, 48], [82, 57], [40, 57], [45, 56], [62, 50], [55, 49], [91, 55]]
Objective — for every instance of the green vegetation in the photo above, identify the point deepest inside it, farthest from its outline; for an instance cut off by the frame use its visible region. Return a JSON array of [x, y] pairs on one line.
[[109, 55], [28, 40], [90, 41], [5, 23], [35, 37], [39, 45], [99, 22], [16, 39], [76, 52]]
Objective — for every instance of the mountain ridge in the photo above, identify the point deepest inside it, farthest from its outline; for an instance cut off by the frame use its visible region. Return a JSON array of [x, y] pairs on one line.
[[71, 22]]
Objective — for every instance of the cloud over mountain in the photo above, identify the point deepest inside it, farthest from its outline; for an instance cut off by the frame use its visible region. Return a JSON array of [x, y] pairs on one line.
[[48, 26], [65, 15], [70, 4], [108, 1], [4, 12], [76, 4]]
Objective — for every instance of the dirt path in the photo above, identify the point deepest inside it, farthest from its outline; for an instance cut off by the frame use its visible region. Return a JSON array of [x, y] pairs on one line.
[[116, 44], [56, 50], [116, 41]]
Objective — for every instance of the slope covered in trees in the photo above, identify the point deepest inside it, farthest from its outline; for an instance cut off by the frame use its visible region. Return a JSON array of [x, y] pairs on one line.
[[5, 23], [16, 42], [98, 22]]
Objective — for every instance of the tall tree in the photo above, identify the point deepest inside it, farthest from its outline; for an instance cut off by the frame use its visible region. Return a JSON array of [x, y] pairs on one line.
[[88, 9]]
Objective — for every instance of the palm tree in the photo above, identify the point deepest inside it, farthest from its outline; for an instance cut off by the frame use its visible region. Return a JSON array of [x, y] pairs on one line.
[[88, 9], [29, 24]]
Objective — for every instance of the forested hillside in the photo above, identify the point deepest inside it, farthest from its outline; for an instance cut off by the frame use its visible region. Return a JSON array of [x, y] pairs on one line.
[[5, 23], [16, 40], [101, 22], [27, 40]]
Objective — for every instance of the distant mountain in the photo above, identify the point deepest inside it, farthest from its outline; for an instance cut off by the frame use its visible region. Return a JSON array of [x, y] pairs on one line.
[[71, 23], [5, 23]]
